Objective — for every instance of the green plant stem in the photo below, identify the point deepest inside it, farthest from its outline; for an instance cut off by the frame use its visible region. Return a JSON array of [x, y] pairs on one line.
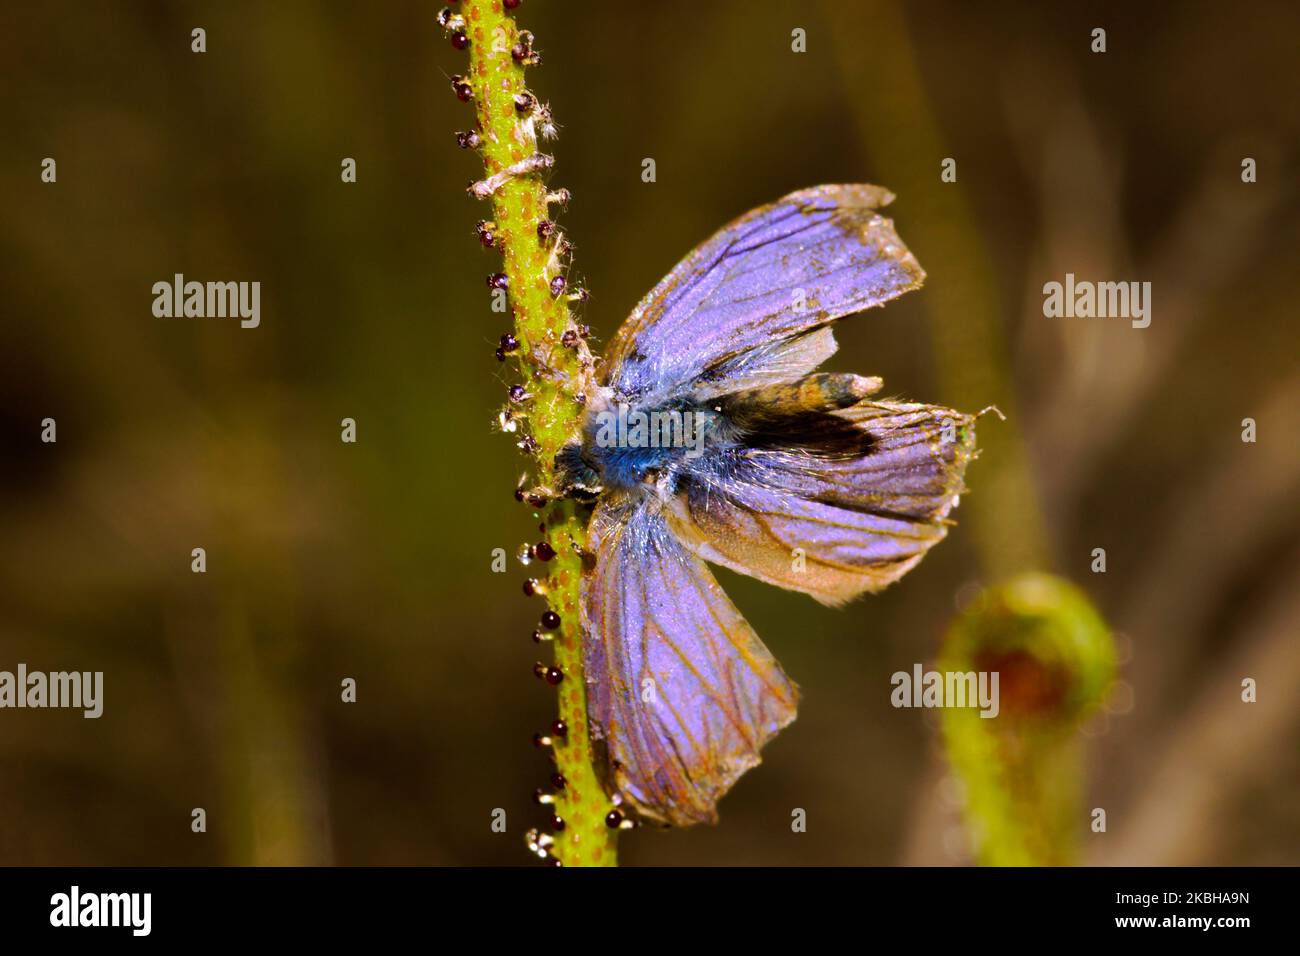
[[553, 376]]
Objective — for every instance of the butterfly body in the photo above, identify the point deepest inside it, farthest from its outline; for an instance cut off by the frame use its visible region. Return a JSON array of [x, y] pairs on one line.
[[614, 455], [711, 437]]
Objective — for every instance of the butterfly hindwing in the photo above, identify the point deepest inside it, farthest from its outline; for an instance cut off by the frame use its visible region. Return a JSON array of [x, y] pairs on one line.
[[848, 504]]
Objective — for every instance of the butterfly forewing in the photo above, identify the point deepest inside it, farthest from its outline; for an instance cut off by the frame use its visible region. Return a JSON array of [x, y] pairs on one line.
[[783, 269], [681, 691]]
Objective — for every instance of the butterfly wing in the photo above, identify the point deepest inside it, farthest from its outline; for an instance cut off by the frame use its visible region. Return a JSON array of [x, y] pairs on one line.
[[780, 272], [680, 689], [834, 504]]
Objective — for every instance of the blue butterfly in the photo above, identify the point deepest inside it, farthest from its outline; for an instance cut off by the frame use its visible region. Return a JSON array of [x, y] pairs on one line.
[[712, 438]]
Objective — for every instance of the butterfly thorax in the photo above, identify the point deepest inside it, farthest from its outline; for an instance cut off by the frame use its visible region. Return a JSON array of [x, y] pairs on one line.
[[631, 445]]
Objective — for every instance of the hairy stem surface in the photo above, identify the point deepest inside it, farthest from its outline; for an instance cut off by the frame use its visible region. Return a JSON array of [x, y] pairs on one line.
[[555, 370]]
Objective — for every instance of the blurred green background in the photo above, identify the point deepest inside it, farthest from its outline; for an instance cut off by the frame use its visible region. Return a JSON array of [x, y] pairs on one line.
[[372, 560]]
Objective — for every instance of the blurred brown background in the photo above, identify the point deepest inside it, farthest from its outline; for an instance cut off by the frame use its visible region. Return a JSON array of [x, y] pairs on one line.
[[372, 560]]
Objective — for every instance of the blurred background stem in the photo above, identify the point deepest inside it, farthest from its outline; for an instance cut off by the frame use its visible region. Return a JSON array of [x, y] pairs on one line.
[[1021, 773], [898, 132], [1021, 767]]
